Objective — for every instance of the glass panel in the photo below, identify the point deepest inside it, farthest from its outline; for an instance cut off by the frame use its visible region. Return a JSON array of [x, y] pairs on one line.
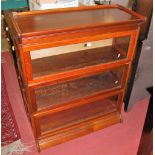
[[51, 95], [75, 56], [78, 114]]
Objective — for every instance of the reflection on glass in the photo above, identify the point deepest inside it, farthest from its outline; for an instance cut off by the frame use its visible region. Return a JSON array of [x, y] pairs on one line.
[[75, 56], [52, 95], [78, 114]]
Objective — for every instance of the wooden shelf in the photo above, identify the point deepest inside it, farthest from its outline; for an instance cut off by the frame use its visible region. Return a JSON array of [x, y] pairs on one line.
[[78, 114], [74, 60], [57, 94]]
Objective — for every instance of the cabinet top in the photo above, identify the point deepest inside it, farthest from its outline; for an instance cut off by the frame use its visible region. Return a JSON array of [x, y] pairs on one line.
[[28, 24]]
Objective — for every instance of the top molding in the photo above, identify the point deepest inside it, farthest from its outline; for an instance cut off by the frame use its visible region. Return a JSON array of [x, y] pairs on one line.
[[39, 23]]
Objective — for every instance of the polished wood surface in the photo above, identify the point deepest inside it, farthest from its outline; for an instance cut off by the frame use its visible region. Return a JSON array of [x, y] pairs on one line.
[[70, 94], [29, 24], [58, 21]]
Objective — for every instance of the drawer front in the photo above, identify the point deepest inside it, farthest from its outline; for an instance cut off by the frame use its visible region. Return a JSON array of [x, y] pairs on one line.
[[56, 121], [54, 95], [60, 59]]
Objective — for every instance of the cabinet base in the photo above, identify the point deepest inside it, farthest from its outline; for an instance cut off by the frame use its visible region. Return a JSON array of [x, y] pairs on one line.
[[78, 130]]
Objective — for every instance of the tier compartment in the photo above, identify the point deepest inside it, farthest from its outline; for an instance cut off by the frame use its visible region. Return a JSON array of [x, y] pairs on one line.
[[65, 58], [56, 94], [76, 115]]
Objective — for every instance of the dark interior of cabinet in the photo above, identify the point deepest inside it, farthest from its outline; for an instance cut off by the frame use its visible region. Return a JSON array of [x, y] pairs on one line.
[[78, 114], [56, 94]]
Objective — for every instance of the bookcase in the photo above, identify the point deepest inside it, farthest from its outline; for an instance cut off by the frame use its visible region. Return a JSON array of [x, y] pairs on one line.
[[73, 66]]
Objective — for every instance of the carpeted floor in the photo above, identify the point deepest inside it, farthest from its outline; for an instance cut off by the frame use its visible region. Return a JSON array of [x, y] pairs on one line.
[[9, 128], [119, 139]]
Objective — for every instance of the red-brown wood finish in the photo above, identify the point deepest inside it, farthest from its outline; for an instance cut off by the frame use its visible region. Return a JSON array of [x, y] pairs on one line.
[[79, 92]]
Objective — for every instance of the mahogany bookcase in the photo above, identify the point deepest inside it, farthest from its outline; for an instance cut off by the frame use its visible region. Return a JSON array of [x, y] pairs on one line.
[[73, 67]]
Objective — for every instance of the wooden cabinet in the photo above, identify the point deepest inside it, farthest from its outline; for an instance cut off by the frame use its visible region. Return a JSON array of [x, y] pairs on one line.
[[73, 67]]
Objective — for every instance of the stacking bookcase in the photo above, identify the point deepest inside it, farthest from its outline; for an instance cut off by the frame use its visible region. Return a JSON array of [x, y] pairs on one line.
[[73, 66]]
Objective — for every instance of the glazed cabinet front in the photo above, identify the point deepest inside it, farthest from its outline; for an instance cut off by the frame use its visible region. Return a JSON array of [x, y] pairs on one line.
[[68, 92]]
